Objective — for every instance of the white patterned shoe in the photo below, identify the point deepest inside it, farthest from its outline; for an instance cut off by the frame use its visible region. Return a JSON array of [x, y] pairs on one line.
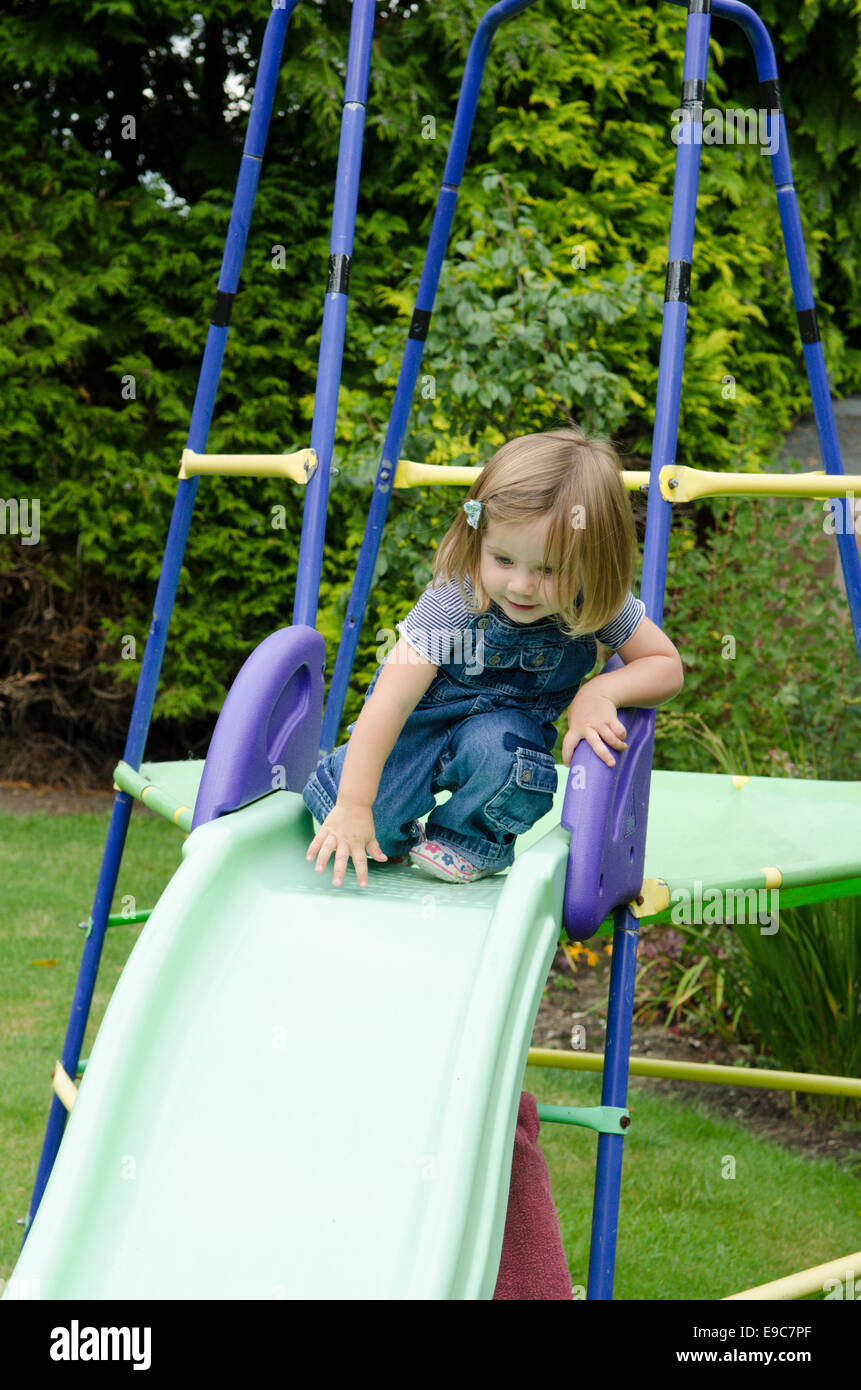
[[442, 862]]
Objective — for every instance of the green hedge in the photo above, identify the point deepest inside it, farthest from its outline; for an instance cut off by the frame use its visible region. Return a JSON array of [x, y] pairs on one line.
[[550, 306]]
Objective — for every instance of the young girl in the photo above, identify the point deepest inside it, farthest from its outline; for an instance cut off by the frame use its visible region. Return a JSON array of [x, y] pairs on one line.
[[537, 565]]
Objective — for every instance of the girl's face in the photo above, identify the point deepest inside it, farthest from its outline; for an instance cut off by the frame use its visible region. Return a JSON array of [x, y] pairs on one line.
[[512, 572]]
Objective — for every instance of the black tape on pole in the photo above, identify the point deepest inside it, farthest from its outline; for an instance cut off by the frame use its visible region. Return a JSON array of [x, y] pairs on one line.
[[223, 309], [339, 274], [807, 326], [769, 95], [678, 286], [420, 324]]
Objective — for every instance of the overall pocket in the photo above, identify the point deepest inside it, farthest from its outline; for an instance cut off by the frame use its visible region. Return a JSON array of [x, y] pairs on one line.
[[528, 793]]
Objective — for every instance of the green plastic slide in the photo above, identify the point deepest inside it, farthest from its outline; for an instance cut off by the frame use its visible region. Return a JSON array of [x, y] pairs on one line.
[[300, 1091]]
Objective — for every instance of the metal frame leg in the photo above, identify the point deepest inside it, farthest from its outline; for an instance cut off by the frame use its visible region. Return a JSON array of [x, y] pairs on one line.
[[614, 1091]]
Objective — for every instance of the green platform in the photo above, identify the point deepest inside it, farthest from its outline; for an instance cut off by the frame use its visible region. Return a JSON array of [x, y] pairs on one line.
[[702, 830]]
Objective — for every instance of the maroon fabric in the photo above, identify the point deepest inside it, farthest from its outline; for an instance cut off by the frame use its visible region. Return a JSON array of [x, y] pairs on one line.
[[533, 1264]]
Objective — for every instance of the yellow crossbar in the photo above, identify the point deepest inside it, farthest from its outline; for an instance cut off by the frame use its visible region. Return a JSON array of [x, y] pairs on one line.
[[807, 1281], [300, 467], [410, 474], [709, 1072], [679, 484]]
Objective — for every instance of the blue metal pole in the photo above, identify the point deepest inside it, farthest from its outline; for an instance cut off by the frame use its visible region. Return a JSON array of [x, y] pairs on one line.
[[802, 290], [676, 296], [207, 387], [83, 995], [310, 561], [411, 361], [614, 1091], [246, 187], [608, 1176]]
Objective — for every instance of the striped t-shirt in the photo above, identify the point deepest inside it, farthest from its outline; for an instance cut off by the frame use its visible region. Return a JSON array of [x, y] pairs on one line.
[[434, 626]]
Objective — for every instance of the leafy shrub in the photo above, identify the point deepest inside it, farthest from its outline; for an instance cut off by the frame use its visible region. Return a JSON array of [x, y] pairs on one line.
[[765, 633], [800, 990], [791, 998]]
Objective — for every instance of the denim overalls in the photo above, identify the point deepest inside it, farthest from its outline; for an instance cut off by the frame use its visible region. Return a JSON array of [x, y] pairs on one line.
[[483, 730]]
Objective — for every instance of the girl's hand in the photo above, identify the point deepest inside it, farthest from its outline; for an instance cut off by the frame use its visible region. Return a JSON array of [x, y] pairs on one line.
[[347, 830], [593, 716]]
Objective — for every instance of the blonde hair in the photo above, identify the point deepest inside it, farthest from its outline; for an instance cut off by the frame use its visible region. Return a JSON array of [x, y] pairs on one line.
[[591, 537]]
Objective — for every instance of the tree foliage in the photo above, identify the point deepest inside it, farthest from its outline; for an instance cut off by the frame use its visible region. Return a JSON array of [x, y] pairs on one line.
[[549, 305]]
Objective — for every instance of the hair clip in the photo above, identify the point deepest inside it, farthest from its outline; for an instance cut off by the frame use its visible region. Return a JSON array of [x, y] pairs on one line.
[[473, 512]]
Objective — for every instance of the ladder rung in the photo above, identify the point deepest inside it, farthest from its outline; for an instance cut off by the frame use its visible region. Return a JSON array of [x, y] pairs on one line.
[[300, 466], [64, 1086], [155, 798], [606, 1119], [677, 483], [410, 474]]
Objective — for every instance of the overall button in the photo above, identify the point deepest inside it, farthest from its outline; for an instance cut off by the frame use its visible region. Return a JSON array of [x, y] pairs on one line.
[[493, 660], [483, 622], [547, 659], [527, 774]]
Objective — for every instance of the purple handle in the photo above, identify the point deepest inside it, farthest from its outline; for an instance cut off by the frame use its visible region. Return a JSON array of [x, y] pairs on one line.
[[606, 808], [268, 733]]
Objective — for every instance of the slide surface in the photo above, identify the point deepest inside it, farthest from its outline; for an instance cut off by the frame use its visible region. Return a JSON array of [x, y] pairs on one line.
[[300, 1091]]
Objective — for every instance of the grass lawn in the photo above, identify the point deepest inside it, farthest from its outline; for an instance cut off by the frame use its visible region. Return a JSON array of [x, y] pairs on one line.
[[48, 867], [687, 1229]]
